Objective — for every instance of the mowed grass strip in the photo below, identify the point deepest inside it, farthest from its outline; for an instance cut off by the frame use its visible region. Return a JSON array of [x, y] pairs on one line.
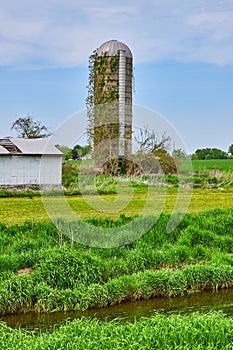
[[17, 210]]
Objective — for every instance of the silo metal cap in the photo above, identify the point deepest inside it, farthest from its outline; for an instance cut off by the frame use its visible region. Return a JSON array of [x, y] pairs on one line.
[[112, 47]]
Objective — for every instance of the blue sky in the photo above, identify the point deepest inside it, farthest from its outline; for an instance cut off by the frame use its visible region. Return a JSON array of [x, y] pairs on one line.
[[183, 60]]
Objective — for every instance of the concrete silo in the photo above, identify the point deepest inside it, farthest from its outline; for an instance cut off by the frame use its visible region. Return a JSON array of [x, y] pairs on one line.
[[112, 97]]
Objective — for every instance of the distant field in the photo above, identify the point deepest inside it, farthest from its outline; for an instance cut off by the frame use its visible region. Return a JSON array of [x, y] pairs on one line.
[[212, 164]]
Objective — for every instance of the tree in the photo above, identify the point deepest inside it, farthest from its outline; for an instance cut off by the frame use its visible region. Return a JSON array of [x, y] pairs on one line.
[[28, 128], [66, 150], [209, 153], [80, 151], [77, 152], [179, 154], [150, 141], [230, 149], [85, 150], [166, 161]]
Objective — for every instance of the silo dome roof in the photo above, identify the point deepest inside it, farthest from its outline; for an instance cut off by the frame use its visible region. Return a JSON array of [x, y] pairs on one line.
[[111, 48]]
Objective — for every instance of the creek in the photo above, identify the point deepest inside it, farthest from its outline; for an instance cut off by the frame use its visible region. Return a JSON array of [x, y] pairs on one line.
[[203, 302]]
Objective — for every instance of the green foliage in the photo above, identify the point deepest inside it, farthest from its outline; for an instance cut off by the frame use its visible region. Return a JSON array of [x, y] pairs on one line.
[[13, 193], [69, 175], [101, 91], [196, 331], [76, 153], [80, 151], [230, 149], [209, 153], [166, 161], [197, 255], [66, 275], [66, 150], [76, 269]]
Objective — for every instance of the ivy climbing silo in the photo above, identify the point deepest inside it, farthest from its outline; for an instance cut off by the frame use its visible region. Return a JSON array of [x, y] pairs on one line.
[[111, 96]]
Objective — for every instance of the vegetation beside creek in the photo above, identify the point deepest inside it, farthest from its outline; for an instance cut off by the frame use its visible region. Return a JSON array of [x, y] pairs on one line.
[[65, 275], [199, 332]]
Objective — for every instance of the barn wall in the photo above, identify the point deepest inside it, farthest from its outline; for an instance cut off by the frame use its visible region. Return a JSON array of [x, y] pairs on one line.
[[29, 170]]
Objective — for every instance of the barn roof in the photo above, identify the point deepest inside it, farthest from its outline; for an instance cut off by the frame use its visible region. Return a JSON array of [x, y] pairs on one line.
[[3, 150], [19, 146]]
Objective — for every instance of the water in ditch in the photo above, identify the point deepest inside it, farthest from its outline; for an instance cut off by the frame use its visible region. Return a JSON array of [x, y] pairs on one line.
[[204, 302]]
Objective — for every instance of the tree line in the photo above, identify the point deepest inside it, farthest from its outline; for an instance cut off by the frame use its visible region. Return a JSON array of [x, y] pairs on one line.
[[212, 153]]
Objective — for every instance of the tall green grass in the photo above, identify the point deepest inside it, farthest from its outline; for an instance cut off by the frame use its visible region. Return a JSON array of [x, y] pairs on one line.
[[67, 275], [199, 332]]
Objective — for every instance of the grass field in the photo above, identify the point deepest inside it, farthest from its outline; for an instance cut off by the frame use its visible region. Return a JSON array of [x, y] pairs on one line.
[[17, 210], [66, 275], [212, 164]]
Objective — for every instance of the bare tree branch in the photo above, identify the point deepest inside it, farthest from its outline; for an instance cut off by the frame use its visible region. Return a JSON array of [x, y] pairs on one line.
[[26, 127], [150, 141]]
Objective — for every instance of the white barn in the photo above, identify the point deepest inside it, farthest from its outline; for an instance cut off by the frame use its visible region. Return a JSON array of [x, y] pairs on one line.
[[29, 162]]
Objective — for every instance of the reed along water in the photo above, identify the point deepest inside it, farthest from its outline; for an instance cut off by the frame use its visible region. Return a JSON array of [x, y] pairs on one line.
[[203, 302]]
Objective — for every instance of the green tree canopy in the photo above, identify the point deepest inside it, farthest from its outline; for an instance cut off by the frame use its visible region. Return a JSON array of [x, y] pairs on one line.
[[76, 152], [230, 149], [83, 150], [66, 150], [209, 153]]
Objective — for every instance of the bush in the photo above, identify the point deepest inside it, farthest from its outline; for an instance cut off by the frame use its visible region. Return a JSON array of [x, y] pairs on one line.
[[166, 162]]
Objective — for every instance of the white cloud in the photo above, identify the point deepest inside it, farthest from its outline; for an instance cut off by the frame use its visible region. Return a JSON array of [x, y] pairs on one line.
[[61, 33]]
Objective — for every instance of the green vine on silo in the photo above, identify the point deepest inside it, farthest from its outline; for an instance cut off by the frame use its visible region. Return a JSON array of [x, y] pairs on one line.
[[101, 88]]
